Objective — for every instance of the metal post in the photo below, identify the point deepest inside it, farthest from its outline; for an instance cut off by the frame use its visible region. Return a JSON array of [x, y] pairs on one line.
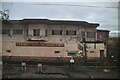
[[71, 62], [84, 49]]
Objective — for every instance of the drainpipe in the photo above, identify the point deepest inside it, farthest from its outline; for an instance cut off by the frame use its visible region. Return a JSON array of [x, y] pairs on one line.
[[84, 49], [105, 49]]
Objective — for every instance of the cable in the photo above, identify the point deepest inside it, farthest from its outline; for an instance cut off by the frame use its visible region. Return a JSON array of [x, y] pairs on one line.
[[75, 5]]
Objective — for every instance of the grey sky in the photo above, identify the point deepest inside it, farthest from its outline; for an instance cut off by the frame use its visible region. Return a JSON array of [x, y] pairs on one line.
[[104, 13]]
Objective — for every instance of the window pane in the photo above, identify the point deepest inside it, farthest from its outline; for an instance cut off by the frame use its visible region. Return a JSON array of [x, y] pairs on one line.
[[27, 32], [56, 32], [90, 34], [6, 31], [46, 32], [71, 54], [82, 33], [36, 32], [70, 32], [18, 31], [57, 51]]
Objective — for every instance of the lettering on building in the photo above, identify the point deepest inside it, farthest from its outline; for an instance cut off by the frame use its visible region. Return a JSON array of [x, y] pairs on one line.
[[41, 44]]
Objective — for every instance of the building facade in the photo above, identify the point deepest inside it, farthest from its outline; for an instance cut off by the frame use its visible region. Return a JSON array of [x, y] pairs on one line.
[[102, 35], [51, 38]]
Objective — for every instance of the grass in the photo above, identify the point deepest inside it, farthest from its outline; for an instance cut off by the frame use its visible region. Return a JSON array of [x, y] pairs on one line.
[[78, 66]]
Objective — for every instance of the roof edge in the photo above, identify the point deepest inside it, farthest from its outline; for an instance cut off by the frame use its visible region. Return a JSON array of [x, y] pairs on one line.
[[103, 30]]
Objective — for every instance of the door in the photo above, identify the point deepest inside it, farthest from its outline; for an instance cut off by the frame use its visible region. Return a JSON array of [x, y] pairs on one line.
[[101, 53]]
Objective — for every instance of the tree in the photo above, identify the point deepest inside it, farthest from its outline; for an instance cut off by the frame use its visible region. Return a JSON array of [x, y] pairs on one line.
[[113, 48]]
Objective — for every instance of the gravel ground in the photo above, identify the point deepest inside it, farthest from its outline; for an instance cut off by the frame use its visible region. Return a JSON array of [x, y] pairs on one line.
[[51, 71], [0, 69]]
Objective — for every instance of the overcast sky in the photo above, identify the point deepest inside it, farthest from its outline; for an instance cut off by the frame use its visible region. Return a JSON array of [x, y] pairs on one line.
[[104, 13]]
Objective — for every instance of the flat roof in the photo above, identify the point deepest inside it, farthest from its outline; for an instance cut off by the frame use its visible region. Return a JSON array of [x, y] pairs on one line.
[[51, 22], [61, 22]]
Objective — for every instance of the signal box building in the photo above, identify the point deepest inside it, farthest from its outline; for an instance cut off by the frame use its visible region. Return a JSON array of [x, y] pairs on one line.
[[51, 39]]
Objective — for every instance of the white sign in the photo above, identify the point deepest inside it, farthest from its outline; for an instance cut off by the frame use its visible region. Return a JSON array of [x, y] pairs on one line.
[[71, 61], [39, 65], [23, 64]]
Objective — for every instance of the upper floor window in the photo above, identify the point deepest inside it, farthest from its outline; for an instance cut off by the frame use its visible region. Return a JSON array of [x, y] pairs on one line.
[[5, 31], [36, 32], [90, 34], [100, 37], [56, 32], [70, 32], [18, 31], [83, 34], [46, 32], [27, 32]]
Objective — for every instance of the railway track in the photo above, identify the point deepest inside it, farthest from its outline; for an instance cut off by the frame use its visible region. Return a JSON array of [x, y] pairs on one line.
[[49, 71], [61, 63]]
